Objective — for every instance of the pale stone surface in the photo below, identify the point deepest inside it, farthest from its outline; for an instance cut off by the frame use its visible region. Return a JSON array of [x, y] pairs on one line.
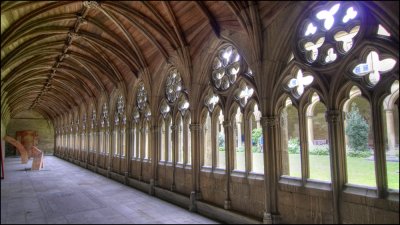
[[19, 147], [65, 193]]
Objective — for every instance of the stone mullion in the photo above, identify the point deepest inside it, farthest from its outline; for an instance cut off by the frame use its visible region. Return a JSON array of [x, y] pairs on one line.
[[337, 159], [97, 145], [141, 148], [247, 143], [174, 135], [130, 146], [270, 127], [195, 147], [305, 172], [229, 150], [155, 157], [379, 152], [125, 142]]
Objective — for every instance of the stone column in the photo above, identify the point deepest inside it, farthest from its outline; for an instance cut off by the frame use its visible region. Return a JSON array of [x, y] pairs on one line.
[[229, 149], [379, 152], [141, 150], [310, 131], [196, 145], [337, 156], [174, 135], [155, 158], [270, 135], [391, 134]]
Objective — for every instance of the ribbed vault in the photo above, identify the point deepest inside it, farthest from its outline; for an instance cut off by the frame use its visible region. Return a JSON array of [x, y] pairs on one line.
[[56, 56]]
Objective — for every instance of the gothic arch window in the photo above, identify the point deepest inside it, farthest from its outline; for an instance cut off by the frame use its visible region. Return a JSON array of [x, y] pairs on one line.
[[390, 119], [163, 139], [218, 122], [317, 140], [257, 141], [238, 138], [143, 124], [179, 131], [359, 140], [174, 125], [92, 134], [168, 121], [166, 151], [290, 140], [135, 131], [147, 139], [76, 138], [188, 139], [207, 140], [182, 129], [83, 136]]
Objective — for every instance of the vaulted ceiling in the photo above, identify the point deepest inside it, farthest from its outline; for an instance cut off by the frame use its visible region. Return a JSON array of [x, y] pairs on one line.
[[56, 55]]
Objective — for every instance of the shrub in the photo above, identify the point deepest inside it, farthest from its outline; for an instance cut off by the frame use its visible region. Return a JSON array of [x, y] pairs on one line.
[[294, 146], [319, 150], [221, 149], [359, 154], [256, 149], [240, 149], [357, 131]]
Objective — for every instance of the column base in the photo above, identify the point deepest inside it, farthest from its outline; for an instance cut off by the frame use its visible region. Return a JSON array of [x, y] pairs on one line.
[[193, 206], [151, 187], [126, 178], [267, 219], [227, 204], [173, 188]]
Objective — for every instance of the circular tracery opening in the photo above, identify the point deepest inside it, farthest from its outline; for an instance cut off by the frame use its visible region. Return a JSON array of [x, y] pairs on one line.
[[329, 33]]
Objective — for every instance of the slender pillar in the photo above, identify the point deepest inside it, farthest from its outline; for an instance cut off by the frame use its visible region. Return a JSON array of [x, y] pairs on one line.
[[337, 154], [270, 131], [174, 135], [196, 145], [229, 149]]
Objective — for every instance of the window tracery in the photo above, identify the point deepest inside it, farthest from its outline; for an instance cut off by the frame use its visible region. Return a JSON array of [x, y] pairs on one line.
[[329, 33], [173, 86], [226, 66]]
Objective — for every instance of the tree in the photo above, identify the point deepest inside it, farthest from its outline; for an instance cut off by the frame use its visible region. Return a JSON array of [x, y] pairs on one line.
[[357, 130], [256, 134]]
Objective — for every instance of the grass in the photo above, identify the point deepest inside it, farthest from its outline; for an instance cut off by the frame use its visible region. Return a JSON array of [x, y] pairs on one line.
[[360, 171]]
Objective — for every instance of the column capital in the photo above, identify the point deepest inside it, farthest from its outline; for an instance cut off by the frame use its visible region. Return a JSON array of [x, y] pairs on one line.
[[333, 116], [227, 123], [174, 127], [194, 127], [269, 121]]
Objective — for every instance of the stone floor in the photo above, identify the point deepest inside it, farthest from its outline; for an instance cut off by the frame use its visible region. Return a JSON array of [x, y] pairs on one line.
[[65, 193]]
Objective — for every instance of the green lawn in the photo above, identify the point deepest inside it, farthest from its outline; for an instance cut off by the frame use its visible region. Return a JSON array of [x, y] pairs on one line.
[[360, 171]]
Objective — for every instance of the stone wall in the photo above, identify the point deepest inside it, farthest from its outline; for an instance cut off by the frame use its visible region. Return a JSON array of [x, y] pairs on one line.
[[31, 120]]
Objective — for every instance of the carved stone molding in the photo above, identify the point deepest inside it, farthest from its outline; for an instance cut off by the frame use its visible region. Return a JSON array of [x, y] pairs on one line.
[[194, 127], [269, 121], [227, 123], [333, 116], [91, 4]]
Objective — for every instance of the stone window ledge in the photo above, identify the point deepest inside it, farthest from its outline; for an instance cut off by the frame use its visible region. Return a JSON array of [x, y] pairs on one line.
[[361, 190], [206, 169], [318, 184], [188, 167]]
